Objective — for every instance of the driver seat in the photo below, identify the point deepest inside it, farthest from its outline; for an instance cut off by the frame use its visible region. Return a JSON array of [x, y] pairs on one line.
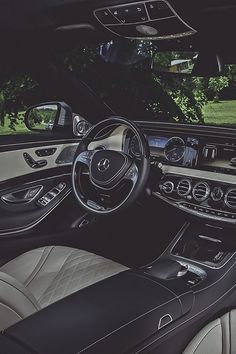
[[45, 275]]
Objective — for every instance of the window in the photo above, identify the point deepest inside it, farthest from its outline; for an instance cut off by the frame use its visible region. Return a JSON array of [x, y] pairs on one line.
[[125, 80], [17, 93]]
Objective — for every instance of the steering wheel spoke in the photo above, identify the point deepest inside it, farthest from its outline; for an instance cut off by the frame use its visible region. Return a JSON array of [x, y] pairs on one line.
[[85, 157], [132, 174]]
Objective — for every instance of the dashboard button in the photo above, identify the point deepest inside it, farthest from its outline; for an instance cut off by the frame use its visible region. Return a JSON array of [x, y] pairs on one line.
[[158, 9], [130, 13], [106, 17]]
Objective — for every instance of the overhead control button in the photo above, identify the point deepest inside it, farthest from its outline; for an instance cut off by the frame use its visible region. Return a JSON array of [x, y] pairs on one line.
[[106, 17], [130, 13], [158, 10]]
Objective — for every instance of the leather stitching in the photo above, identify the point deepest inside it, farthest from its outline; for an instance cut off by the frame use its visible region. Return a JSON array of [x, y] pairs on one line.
[[36, 271], [23, 293], [77, 273], [56, 275]]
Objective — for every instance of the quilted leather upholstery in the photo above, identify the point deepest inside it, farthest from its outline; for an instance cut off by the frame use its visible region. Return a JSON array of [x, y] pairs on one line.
[[53, 272], [218, 337]]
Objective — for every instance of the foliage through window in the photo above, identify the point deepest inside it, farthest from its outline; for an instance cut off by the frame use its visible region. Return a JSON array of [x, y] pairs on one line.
[[137, 92]]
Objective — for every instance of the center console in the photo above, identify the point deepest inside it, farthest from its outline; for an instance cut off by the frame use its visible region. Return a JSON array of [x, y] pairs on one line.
[[111, 316], [130, 311]]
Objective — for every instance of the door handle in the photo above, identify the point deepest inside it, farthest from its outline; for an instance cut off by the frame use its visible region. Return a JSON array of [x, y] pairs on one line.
[[22, 196], [32, 163]]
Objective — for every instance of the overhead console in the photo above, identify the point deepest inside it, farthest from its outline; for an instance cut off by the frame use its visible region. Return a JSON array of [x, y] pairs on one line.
[[147, 19]]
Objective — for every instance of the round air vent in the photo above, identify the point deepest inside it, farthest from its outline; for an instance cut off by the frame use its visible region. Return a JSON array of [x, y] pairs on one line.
[[184, 187], [201, 191], [167, 187], [230, 198]]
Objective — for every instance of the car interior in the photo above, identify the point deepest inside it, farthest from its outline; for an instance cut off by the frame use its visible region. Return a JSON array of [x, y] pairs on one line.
[[117, 177]]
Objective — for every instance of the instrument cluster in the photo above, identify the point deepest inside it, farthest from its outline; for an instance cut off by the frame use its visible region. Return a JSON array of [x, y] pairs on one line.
[[169, 149]]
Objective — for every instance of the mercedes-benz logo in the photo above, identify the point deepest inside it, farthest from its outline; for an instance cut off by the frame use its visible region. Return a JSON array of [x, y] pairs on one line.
[[103, 165]]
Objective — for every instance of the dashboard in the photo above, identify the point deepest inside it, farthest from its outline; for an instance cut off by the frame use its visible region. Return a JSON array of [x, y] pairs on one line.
[[189, 151], [198, 171], [169, 149], [197, 164]]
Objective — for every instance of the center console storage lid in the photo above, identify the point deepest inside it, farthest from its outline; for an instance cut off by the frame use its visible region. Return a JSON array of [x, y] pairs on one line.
[[111, 316]]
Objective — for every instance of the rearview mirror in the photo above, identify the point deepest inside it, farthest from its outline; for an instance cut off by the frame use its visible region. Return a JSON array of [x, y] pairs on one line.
[[48, 116], [131, 52]]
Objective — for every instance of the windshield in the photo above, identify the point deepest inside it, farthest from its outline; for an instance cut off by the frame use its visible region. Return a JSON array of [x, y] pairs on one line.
[[131, 89]]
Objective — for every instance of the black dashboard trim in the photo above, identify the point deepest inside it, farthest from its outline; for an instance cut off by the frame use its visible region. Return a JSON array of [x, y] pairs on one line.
[[202, 130]]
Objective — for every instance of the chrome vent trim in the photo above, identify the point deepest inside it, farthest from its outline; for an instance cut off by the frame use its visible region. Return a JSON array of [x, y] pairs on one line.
[[184, 187], [230, 198], [201, 191]]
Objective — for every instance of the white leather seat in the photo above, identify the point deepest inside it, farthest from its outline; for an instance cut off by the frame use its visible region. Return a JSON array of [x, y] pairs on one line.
[[42, 276], [218, 337]]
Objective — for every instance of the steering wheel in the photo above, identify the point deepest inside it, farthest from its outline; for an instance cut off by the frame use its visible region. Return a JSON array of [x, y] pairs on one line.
[[116, 179]]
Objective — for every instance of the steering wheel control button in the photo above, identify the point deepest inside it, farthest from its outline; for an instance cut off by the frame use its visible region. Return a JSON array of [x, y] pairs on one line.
[[85, 157]]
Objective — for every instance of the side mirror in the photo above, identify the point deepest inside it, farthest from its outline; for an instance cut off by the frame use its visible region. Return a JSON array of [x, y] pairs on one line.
[[49, 116]]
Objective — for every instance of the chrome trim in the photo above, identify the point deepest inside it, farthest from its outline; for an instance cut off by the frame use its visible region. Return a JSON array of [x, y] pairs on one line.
[[195, 173], [171, 185], [216, 240], [31, 226], [226, 197], [189, 188], [178, 237], [221, 194], [47, 142], [175, 137], [103, 165], [207, 192], [165, 324], [195, 212], [27, 201]]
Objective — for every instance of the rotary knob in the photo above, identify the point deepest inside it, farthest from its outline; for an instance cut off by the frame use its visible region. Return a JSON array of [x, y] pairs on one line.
[[167, 187], [217, 194]]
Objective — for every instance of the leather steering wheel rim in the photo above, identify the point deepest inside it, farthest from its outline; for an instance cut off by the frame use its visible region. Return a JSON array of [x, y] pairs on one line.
[[129, 170]]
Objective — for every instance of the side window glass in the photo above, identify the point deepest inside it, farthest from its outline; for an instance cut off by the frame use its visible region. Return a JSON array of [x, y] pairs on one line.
[[17, 93]]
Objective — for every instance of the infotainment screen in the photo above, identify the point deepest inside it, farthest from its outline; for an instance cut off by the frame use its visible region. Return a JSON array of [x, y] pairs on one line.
[[219, 158]]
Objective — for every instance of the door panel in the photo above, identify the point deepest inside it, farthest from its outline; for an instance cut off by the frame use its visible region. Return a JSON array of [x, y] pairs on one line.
[[30, 191], [21, 216], [21, 162]]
